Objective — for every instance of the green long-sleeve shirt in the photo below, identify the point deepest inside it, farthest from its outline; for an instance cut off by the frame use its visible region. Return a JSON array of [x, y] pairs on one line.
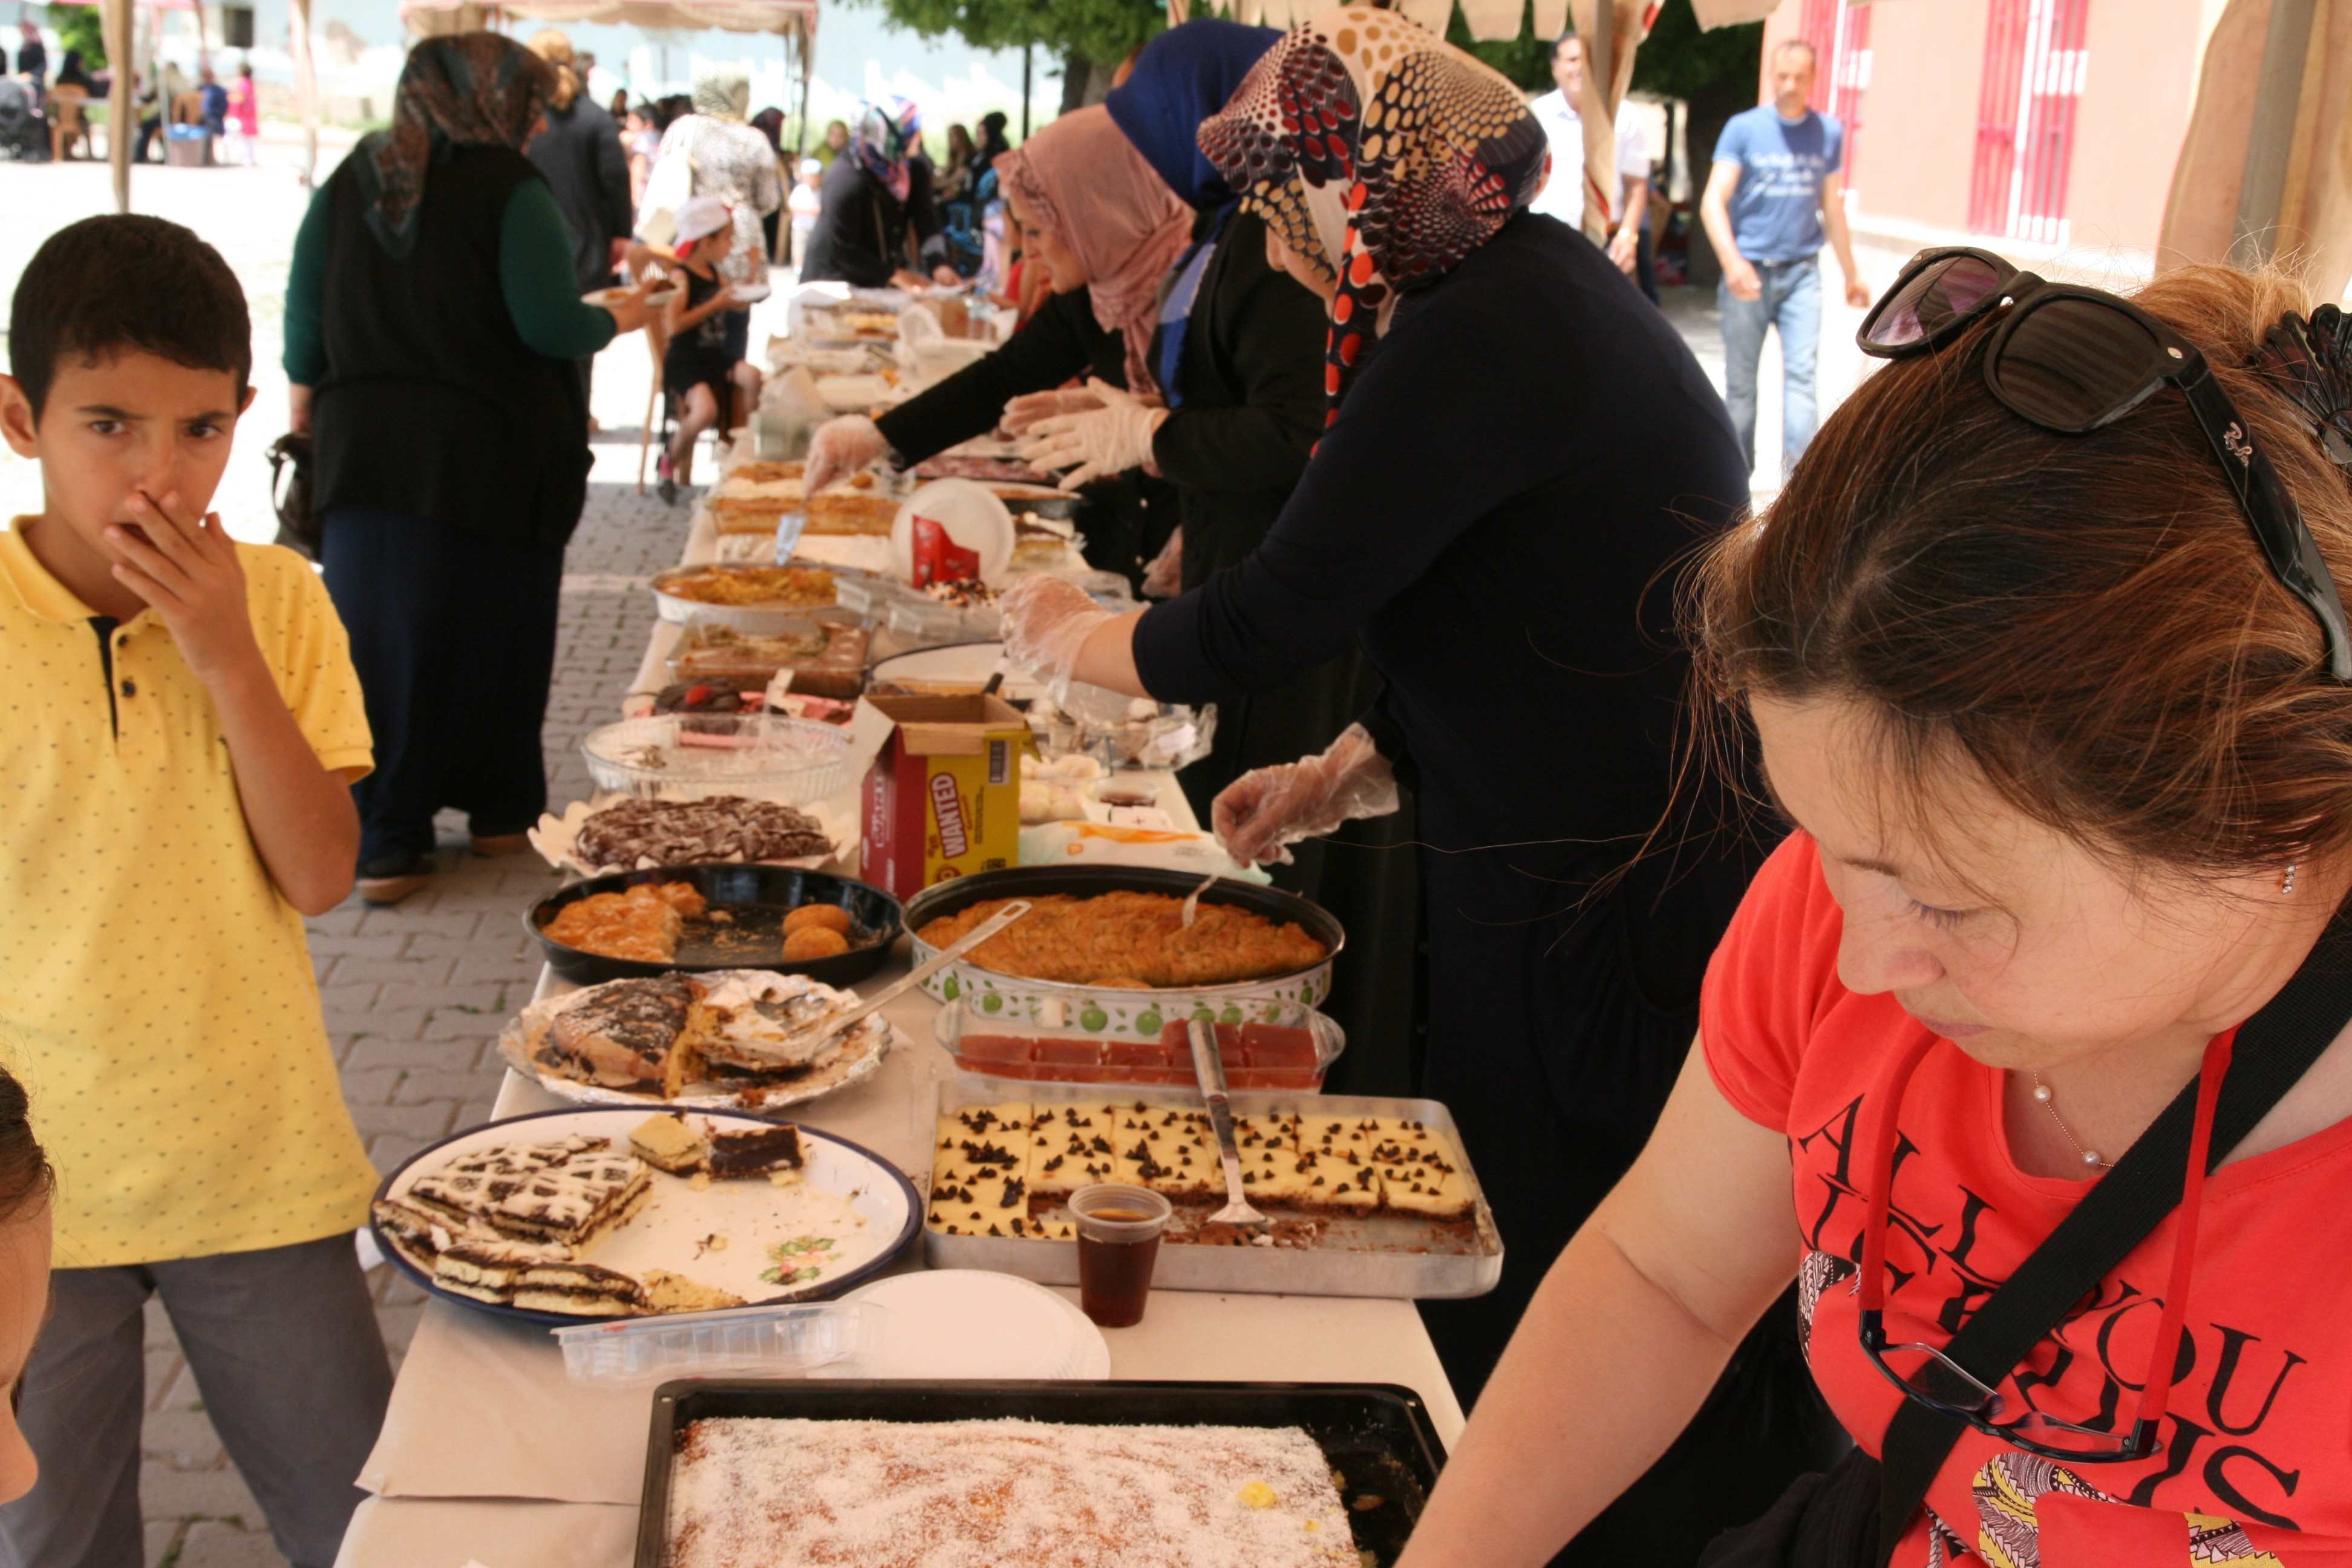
[[535, 275]]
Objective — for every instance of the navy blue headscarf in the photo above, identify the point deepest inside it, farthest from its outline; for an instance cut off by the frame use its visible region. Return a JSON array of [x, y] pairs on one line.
[[1184, 76]]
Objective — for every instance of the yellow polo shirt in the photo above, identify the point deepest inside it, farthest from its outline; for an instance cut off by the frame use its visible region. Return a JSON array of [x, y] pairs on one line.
[[155, 989]]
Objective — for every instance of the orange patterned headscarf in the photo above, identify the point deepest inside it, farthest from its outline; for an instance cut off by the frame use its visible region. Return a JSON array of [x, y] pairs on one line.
[[1379, 155]]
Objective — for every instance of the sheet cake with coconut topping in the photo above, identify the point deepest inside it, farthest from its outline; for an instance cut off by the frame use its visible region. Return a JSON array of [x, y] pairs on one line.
[[757, 1492]]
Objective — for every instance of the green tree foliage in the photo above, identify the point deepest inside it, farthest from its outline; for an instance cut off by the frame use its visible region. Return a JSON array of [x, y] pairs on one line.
[[1677, 60], [79, 28], [1715, 72], [1089, 29]]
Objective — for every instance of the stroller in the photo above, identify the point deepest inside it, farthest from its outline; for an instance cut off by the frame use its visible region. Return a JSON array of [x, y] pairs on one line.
[[24, 134]]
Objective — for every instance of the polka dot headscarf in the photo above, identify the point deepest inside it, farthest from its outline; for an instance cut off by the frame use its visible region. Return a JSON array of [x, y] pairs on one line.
[[1382, 155]]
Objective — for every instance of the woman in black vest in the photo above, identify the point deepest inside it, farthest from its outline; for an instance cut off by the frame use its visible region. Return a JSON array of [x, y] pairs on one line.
[[433, 324]]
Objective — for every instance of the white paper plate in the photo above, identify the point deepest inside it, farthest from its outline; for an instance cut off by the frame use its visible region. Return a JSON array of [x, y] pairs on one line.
[[847, 1195], [518, 1042], [971, 1323], [973, 518]]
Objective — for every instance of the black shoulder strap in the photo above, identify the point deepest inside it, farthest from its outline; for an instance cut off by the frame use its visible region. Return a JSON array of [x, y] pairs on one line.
[[2273, 1049]]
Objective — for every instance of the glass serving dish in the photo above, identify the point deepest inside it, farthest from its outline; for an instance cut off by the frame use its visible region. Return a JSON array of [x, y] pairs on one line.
[[692, 756], [1277, 1045]]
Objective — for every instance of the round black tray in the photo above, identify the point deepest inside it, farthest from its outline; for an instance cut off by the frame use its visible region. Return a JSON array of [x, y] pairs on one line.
[[1087, 882], [767, 893]]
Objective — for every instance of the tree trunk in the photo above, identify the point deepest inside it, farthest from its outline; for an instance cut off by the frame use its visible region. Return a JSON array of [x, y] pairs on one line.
[[1084, 81]]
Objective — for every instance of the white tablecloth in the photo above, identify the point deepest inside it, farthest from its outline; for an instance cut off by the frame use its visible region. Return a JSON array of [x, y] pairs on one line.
[[489, 1453]]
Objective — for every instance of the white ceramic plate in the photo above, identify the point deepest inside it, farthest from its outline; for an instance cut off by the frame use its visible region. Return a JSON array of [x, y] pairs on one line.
[[725, 1236]]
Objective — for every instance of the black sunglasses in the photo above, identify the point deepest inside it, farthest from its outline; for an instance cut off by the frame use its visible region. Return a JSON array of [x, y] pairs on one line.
[[2073, 360]]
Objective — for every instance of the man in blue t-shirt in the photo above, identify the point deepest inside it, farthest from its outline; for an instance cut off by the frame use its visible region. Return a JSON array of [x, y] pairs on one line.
[[1772, 197]]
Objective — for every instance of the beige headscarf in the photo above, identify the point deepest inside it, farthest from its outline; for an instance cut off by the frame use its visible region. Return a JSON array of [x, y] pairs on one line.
[[723, 95], [554, 46]]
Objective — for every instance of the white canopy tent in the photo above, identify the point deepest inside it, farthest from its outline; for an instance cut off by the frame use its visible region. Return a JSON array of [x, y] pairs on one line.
[[794, 21]]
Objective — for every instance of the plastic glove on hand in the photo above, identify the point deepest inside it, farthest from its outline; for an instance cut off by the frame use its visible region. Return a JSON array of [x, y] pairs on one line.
[[1095, 445], [1267, 809], [1047, 623], [1028, 408], [1164, 578], [839, 448]]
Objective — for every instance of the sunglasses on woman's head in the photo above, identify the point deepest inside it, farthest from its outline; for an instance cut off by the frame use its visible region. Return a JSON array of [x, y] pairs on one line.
[[2073, 360]]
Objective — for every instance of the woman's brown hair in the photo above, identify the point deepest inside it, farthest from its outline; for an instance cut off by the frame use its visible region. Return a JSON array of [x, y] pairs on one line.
[[2086, 619]]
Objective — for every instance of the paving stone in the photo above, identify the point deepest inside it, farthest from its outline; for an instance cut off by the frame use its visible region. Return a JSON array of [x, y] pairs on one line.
[[429, 1122], [372, 1086], [217, 1543], [216, 1494], [183, 1439], [390, 1151]]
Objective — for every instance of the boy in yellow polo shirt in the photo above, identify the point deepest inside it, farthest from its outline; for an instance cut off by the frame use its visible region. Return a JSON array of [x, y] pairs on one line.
[[178, 728]]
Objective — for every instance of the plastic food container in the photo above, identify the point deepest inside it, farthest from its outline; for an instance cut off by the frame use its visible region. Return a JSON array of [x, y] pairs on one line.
[[1265, 1045], [759, 1340], [692, 756]]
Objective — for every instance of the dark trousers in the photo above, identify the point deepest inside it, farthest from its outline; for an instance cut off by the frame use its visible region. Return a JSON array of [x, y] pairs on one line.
[[453, 634], [284, 1345]]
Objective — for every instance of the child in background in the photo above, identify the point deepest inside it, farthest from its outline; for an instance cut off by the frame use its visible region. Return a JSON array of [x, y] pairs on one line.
[[699, 374], [244, 130], [804, 202], [182, 729]]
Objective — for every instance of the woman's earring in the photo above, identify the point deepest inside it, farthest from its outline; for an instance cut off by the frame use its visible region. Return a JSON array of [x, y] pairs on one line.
[[2287, 883]]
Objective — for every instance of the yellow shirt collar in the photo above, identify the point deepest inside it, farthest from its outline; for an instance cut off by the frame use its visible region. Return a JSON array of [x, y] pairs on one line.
[[38, 591]]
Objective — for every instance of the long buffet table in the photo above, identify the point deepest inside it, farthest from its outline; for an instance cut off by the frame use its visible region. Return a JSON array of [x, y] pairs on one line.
[[489, 1454]]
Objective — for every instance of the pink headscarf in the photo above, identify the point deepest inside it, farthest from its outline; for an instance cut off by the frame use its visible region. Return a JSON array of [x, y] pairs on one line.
[[1082, 180]]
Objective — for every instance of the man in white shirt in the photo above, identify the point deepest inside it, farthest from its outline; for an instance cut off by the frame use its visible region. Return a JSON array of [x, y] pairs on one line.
[[1563, 193]]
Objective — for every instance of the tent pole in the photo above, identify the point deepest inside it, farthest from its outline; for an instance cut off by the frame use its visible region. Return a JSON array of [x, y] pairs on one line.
[[121, 118], [800, 145], [306, 87]]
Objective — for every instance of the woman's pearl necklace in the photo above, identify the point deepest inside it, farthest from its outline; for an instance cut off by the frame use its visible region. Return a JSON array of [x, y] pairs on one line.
[[2049, 1102]]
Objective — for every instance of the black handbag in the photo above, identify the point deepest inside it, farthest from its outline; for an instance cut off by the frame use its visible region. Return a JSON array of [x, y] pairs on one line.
[[289, 494], [1854, 1515]]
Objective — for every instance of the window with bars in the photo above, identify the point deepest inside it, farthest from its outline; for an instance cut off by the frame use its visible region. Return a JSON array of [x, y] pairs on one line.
[[1840, 35], [2034, 62]]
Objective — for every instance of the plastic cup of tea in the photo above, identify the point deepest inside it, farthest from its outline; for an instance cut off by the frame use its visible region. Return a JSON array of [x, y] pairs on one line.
[[1119, 1241]]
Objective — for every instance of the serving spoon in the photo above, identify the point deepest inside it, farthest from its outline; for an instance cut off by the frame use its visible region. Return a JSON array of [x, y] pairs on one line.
[[1209, 1062]]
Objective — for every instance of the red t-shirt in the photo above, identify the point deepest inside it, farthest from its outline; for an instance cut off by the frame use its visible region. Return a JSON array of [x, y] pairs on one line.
[[2255, 1461]]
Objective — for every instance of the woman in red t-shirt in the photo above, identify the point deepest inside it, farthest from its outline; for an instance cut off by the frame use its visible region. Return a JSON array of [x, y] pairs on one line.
[[2070, 768]]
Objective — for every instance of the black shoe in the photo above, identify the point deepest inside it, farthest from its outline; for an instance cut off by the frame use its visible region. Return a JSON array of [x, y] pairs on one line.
[[392, 877], [668, 491]]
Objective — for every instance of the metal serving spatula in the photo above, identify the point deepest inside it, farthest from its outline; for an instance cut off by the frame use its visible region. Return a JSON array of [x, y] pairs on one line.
[[1209, 1063]]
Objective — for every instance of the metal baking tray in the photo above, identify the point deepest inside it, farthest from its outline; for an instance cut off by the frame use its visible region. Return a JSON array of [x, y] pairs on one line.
[[1391, 1256], [1137, 1009], [1378, 1437], [756, 898]]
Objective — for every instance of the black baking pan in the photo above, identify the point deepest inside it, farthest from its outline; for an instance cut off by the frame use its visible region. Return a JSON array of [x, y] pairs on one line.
[[756, 898], [1087, 882], [1378, 1437]]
